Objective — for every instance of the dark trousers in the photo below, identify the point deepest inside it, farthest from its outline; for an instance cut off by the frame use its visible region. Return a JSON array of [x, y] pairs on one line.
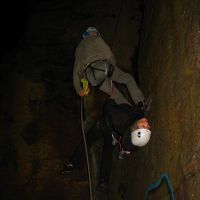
[[100, 129]]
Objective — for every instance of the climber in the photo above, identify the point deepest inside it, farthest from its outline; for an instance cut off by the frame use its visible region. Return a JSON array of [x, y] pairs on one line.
[[95, 63], [120, 124]]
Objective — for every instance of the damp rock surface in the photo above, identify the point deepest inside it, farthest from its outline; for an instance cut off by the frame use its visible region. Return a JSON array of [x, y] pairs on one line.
[[40, 123]]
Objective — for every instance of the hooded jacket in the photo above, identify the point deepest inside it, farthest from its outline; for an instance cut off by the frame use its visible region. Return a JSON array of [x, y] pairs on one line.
[[90, 49], [121, 116]]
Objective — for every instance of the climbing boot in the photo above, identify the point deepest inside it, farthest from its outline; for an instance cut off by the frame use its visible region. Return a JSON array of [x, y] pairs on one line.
[[102, 186], [68, 169]]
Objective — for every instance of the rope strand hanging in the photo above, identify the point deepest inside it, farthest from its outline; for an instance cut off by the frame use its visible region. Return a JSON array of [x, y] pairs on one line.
[[86, 151], [117, 24], [82, 124]]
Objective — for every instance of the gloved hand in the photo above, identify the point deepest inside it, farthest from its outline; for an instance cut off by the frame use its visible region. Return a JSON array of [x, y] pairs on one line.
[[82, 93]]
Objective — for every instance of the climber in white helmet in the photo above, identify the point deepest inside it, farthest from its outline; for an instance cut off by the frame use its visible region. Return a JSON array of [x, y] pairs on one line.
[[122, 126], [95, 62]]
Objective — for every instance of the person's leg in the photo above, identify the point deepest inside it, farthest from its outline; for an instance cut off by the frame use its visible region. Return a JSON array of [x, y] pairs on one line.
[[115, 93], [78, 157], [122, 77], [106, 160]]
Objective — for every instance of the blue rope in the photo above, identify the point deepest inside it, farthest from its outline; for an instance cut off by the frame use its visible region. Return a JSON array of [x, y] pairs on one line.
[[156, 184]]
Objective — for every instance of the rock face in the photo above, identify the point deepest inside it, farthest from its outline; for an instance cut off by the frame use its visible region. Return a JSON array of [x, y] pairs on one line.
[[169, 71], [40, 111]]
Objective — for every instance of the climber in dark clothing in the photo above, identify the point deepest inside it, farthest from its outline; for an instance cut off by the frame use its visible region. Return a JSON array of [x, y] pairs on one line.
[[121, 124]]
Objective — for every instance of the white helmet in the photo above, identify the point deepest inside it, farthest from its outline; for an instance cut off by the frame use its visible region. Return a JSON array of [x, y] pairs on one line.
[[89, 31], [140, 137]]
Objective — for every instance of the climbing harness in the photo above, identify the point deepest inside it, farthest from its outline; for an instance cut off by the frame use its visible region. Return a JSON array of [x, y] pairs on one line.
[[86, 151], [107, 68], [156, 184], [94, 76]]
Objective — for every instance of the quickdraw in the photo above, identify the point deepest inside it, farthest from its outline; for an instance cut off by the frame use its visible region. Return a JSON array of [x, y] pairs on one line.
[[85, 86], [119, 144]]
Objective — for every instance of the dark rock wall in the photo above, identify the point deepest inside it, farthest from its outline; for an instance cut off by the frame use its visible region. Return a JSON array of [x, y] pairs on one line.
[[40, 111], [169, 71]]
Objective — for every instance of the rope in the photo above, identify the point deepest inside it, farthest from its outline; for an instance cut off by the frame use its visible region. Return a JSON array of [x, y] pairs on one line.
[[117, 24], [111, 88], [86, 151], [111, 93], [114, 38], [156, 184]]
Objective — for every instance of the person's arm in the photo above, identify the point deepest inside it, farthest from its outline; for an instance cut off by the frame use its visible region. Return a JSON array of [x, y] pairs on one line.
[[76, 75]]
